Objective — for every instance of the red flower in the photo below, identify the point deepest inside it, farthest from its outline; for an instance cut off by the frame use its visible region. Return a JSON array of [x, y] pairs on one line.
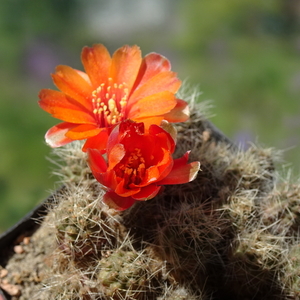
[[112, 89], [138, 163]]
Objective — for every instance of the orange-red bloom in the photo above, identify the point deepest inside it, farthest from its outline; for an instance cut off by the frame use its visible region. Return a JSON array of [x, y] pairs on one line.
[[112, 89], [138, 163]]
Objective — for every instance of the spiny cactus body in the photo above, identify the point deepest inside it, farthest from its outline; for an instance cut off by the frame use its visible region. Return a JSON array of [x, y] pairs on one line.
[[232, 233], [221, 236]]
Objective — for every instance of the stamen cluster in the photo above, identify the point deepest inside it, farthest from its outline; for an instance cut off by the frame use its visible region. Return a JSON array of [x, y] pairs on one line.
[[109, 103]]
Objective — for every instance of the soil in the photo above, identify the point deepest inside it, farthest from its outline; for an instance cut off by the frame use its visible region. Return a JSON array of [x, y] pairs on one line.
[[22, 276]]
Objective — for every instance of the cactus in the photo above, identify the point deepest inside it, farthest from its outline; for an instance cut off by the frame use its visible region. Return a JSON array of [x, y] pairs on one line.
[[127, 274], [291, 275], [83, 228], [233, 233]]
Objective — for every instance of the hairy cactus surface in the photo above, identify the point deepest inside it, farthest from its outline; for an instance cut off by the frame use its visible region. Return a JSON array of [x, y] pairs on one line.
[[233, 233]]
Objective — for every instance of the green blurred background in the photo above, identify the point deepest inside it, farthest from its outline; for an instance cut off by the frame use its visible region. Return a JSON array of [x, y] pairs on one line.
[[243, 55]]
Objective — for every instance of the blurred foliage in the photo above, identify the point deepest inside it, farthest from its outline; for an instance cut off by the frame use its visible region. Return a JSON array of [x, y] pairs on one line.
[[243, 54], [25, 177]]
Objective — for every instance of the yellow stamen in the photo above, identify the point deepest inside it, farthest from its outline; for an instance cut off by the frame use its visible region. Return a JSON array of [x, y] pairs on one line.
[[109, 102]]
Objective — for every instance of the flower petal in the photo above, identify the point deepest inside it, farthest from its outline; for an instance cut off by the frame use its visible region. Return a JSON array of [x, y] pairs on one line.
[[56, 135], [180, 113], [114, 137], [98, 141], [166, 134], [158, 171], [164, 81], [150, 121], [152, 64], [151, 175], [96, 61], [124, 130], [165, 165], [170, 129], [71, 83], [125, 192], [117, 202], [64, 108], [181, 171], [153, 105], [96, 162], [83, 131], [155, 173], [116, 155], [147, 192], [99, 169], [126, 62]]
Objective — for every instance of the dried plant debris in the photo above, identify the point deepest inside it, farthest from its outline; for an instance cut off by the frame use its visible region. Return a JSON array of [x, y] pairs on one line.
[[233, 233]]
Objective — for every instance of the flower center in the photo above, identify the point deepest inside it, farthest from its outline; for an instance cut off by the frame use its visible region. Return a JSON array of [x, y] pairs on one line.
[[109, 102], [133, 168]]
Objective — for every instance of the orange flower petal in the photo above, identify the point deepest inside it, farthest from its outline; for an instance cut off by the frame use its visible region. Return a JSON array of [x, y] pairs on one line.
[[181, 171], [117, 202], [96, 61], [64, 108], [166, 135], [98, 141], [126, 62], [56, 135], [84, 76], [153, 105], [180, 113], [71, 83], [164, 81], [122, 191], [160, 170], [150, 121], [115, 155], [151, 175], [147, 192], [171, 130], [114, 137], [152, 64], [96, 161], [83, 131], [165, 170]]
